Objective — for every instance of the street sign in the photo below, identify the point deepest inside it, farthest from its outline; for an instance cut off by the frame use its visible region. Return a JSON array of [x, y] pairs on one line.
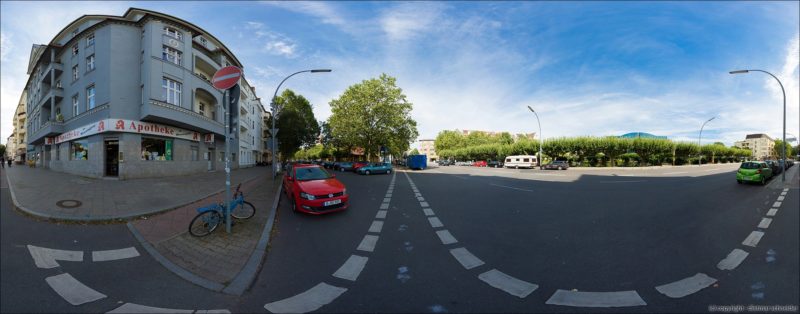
[[226, 77]]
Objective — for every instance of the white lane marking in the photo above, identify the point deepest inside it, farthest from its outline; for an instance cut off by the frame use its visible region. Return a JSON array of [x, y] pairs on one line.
[[385, 206], [417, 194], [381, 214], [72, 290], [764, 224], [351, 268], [420, 199], [435, 222], [446, 237], [510, 187], [46, 258], [368, 243], [466, 258], [623, 181], [424, 204], [388, 195], [786, 190], [212, 311], [428, 211], [686, 286], [376, 226], [772, 212], [783, 193], [777, 204], [680, 172], [780, 198], [733, 259], [137, 308], [753, 238], [308, 301], [596, 299], [110, 255], [511, 285], [387, 199]]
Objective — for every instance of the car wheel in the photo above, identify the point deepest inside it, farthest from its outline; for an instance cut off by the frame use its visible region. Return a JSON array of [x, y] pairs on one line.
[[293, 204], [388, 171], [763, 180], [559, 168], [366, 172], [341, 169], [516, 167]]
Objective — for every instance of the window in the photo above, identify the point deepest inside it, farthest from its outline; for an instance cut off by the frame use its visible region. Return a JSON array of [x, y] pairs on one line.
[[174, 33], [89, 63], [171, 55], [75, 73], [171, 91], [156, 149], [75, 50], [141, 90], [75, 105], [195, 153], [202, 108], [58, 84], [90, 97], [90, 40], [58, 151], [79, 150]]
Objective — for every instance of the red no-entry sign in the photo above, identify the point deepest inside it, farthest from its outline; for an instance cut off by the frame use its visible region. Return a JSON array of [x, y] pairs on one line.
[[226, 77]]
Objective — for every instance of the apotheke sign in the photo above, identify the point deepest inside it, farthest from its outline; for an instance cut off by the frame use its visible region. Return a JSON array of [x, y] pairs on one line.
[[129, 126]]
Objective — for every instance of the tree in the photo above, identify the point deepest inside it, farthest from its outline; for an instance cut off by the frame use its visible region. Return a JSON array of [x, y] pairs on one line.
[[2, 150], [448, 140], [778, 150], [372, 114], [296, 124], [414, 152]]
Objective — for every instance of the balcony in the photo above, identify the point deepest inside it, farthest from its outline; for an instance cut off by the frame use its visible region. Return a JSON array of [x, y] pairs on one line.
[[58, 93], [49, 128], [58, 67], [162, 112]]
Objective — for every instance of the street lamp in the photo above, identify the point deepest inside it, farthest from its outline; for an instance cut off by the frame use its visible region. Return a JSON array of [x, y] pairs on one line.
[[275, 109], [538, 158], [783, 150], [700, 159]]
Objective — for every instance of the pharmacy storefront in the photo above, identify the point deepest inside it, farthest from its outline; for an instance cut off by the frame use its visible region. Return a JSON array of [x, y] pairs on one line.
[[129, 149]]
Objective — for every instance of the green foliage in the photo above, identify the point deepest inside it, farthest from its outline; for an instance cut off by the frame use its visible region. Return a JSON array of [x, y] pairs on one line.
[[371, 114], [296, 123], [2, 150], [778, 150]]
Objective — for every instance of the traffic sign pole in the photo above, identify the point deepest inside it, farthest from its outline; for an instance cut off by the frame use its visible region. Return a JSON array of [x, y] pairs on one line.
[[226, 103]]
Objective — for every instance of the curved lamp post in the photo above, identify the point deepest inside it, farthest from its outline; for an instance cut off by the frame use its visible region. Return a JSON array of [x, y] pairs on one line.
[[538, 158], [700, 159], [783, 150], [275, 112]]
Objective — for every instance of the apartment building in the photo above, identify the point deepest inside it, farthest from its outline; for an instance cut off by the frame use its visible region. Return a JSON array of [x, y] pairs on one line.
[[16, 145], [760, 144], [426, 147], [130, 97]]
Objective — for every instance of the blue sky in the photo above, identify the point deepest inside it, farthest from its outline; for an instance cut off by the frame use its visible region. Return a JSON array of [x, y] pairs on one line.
[[588, 68]]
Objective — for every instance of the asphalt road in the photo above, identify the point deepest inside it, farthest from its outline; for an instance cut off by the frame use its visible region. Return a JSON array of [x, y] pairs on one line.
[[595, 231]]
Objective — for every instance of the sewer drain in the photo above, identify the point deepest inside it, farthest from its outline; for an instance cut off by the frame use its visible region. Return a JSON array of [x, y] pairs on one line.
[[68, 203]]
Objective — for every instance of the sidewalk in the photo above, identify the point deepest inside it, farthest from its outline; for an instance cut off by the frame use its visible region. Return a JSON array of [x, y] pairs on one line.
[[38, 192]]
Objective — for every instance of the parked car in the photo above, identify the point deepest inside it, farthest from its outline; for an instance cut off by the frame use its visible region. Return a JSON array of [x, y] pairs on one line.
[[776, 168], [375, 167], [754, 171], [345, 166], [520, 161], [445, 162], [359, 164], [328, 164], [479, 163], [557, 165], [311, 189], [494, 164]]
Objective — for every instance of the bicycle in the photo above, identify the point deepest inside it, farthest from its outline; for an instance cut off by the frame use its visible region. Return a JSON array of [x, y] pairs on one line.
[[210, 217]]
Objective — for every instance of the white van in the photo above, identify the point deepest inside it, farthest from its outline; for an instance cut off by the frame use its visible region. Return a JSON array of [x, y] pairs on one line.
[[521, 161]]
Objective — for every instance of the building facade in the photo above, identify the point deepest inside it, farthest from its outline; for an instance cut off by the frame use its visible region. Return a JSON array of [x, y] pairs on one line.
[[760, 144], [426, 147], [16, 146], [129, 97]]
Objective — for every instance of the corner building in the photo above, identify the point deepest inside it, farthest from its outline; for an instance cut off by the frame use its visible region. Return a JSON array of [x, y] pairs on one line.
[[128, 97]]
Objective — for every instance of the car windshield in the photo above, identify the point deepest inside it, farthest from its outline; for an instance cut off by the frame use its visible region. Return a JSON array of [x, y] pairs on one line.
[[750, 165], [311, 173]]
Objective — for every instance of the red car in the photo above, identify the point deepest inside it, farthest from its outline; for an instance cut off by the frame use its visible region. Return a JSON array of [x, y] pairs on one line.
[[311, 189], [479, 163], [359, 164]]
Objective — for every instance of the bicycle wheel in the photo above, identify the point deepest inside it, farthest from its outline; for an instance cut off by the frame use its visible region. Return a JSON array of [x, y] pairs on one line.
[[243, 211], [204, 223]]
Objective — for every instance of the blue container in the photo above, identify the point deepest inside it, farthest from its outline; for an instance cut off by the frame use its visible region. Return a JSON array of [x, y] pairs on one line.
[[417, 162]]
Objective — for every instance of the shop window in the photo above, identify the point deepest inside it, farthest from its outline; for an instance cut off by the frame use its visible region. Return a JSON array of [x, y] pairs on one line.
[[79, 150], [156, 149], [195, 153]]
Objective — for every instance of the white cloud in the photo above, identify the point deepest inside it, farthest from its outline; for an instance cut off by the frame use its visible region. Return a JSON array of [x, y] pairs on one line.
[[281, 48], [274, 42], [407, 20], [6, 45], [322, 10]]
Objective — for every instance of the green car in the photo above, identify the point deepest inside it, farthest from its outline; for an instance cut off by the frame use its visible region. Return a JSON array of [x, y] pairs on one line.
[[376, 167], [754, 171]]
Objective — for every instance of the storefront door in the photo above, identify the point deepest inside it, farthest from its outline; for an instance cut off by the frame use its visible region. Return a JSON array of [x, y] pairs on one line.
[[210, 158], [112, 153]]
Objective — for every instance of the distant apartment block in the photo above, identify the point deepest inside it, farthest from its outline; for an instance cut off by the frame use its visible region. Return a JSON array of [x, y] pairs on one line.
[[760, 144], [426, 148]]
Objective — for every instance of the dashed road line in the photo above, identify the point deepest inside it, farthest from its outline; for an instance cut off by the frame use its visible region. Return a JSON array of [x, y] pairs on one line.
[[111, 255], [781, 198], [596, 299], [764, 224], [381, 214], [376, 226], [388, 195], [351, 268], [417, 194], [686, 286], [72, 290], [753, 238], [387, 200], [385, 206], [138, 308], [733, 260], [368, 243], [511, 285], [428, 211], [446, 237], [46, 258], [772, 212], [308, 301], [420, 199], [465, 258], [435, 222], [510, 187], [777, 204], [424, 204], [786, 190]]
